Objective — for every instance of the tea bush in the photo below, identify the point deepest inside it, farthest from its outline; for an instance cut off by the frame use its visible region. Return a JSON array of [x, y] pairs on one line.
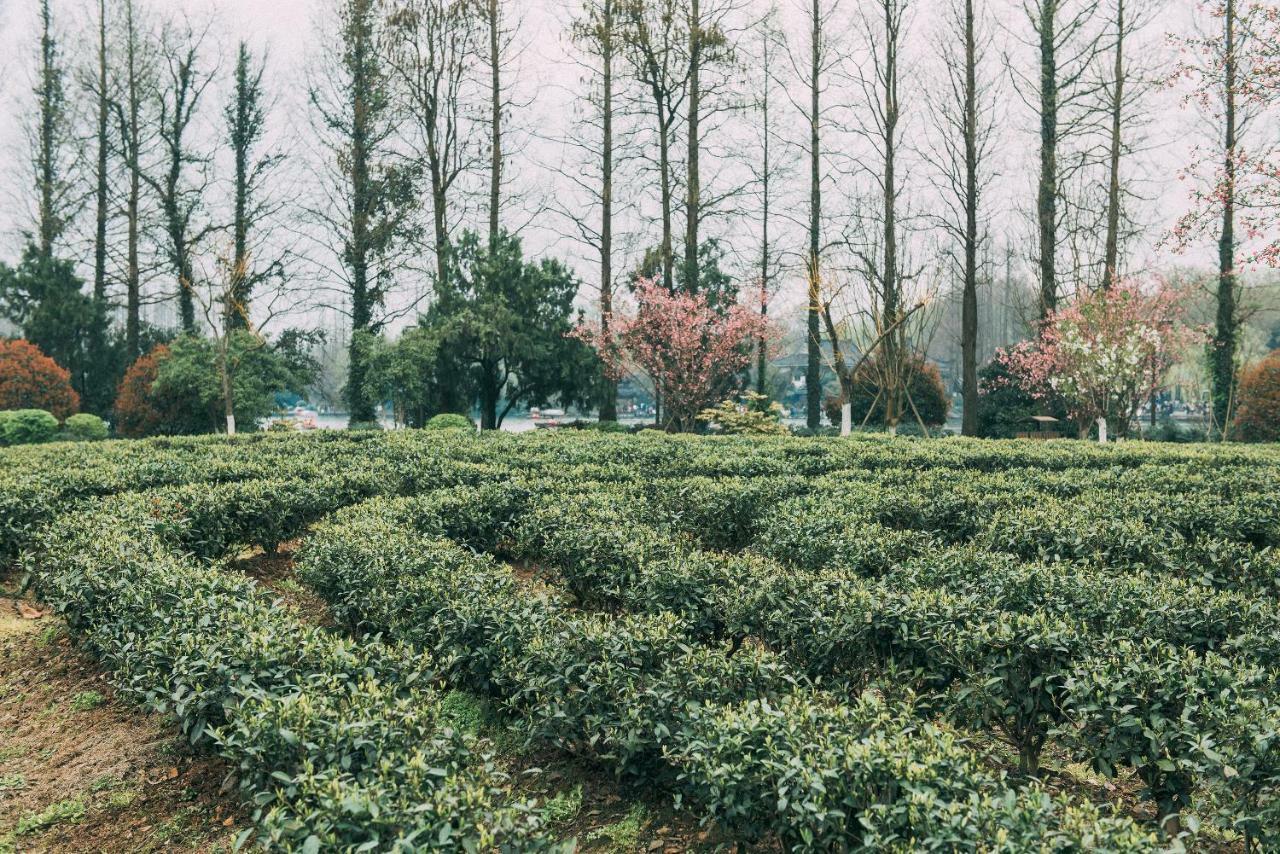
[[863, 644]]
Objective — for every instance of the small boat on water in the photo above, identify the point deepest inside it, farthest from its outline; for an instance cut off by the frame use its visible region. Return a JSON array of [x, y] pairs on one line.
[[546, 418]]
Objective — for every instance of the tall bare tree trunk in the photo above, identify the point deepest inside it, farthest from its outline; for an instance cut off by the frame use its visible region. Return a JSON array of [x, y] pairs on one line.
[[495, 119], [969, 308], [609, 390], [693, 189], [762, 352], [892, 346], [98, 354], [132, 142], [813, 271], [1112, 250], [1047, 193], [1223, 352]]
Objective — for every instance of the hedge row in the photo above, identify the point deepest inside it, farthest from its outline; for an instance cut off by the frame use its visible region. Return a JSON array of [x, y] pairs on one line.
[[1011, 647], [339, 745], [639, 693]]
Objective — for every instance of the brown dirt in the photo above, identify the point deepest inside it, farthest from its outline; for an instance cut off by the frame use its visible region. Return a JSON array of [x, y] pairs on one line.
[[83, 770], [274, 573]]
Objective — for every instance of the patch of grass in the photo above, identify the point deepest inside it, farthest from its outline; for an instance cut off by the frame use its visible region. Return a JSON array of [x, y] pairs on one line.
[[465, 712], [87, 700], [15, 752], [564, 807], [105, 783], [49, 634], [624, 833], [121, 799], [178, 827], [69, 811], [10, 782]]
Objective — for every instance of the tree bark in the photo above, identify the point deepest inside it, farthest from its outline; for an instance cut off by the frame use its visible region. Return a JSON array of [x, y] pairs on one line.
[[889, 274], [495, 140], [1226, 323], [609, 389], [762, 362], [693, 203], [1047, 194], [813, 372], [98, 332], [362, 195], [969, 309], [1112, 250], [132, 142]]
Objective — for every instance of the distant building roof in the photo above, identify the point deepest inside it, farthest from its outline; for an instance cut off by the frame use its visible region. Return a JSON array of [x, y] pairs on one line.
[[799, 360]]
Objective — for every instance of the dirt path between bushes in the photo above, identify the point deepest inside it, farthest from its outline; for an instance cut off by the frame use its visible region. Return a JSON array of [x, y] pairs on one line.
[[84, 770]]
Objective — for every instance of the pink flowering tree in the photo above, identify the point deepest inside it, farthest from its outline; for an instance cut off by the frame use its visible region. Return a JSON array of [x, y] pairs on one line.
[[1105, 353], [1242, 180], [692, 353]]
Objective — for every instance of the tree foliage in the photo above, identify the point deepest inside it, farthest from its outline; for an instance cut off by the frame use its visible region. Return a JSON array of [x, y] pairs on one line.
[[44, 297], [504, 324], [176, 389], [692, 353], [924, 390], [1105, 354], [31, 380], [1258, 413]]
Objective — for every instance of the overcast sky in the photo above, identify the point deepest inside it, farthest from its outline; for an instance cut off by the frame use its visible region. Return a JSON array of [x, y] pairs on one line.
[[546, 82]]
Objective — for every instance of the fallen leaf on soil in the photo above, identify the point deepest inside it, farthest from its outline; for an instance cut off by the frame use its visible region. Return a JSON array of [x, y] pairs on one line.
[[228, 821], [29, 613], [173, 773]]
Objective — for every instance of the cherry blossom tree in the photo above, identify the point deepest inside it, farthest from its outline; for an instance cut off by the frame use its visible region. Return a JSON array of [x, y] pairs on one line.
[[1105, 353], [692, 353]]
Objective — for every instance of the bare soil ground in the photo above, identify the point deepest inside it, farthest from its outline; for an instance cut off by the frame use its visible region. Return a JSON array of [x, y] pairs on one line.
[[84, 770]]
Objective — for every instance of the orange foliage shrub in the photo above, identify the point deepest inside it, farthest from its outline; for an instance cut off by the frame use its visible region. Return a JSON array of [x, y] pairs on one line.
[[1258, 413], [31, 380], [138, 412]]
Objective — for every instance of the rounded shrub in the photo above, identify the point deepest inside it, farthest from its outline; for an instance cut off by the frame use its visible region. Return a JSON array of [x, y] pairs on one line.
[[924, 385], [1258, 416], [86, 428], [449, 421], [31, 380], [138, 410], [29, 427]]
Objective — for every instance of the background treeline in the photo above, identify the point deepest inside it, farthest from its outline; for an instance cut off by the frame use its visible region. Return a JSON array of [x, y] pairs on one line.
[[915, 178]]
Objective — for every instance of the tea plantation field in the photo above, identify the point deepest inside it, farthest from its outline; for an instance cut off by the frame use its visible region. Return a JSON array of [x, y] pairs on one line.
[[808, 644]]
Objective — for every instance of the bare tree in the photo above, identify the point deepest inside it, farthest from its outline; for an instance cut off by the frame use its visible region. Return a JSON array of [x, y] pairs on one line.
[[1066, 46], [963, 119], [433, 51], [181, 183], [597, 31], [369, 190], [884, 30], [134, 137], [245, 127], [1124, 91], [499, 54], [654, 32], [814, 69], [709, 45], [766, 173]]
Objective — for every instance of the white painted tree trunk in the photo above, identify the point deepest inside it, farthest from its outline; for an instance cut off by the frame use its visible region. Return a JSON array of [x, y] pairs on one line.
[[846, 419], [1102, 431]]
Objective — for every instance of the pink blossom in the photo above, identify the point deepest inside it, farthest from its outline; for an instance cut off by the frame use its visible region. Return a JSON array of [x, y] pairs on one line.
[[1105, 353], [691, 352]]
